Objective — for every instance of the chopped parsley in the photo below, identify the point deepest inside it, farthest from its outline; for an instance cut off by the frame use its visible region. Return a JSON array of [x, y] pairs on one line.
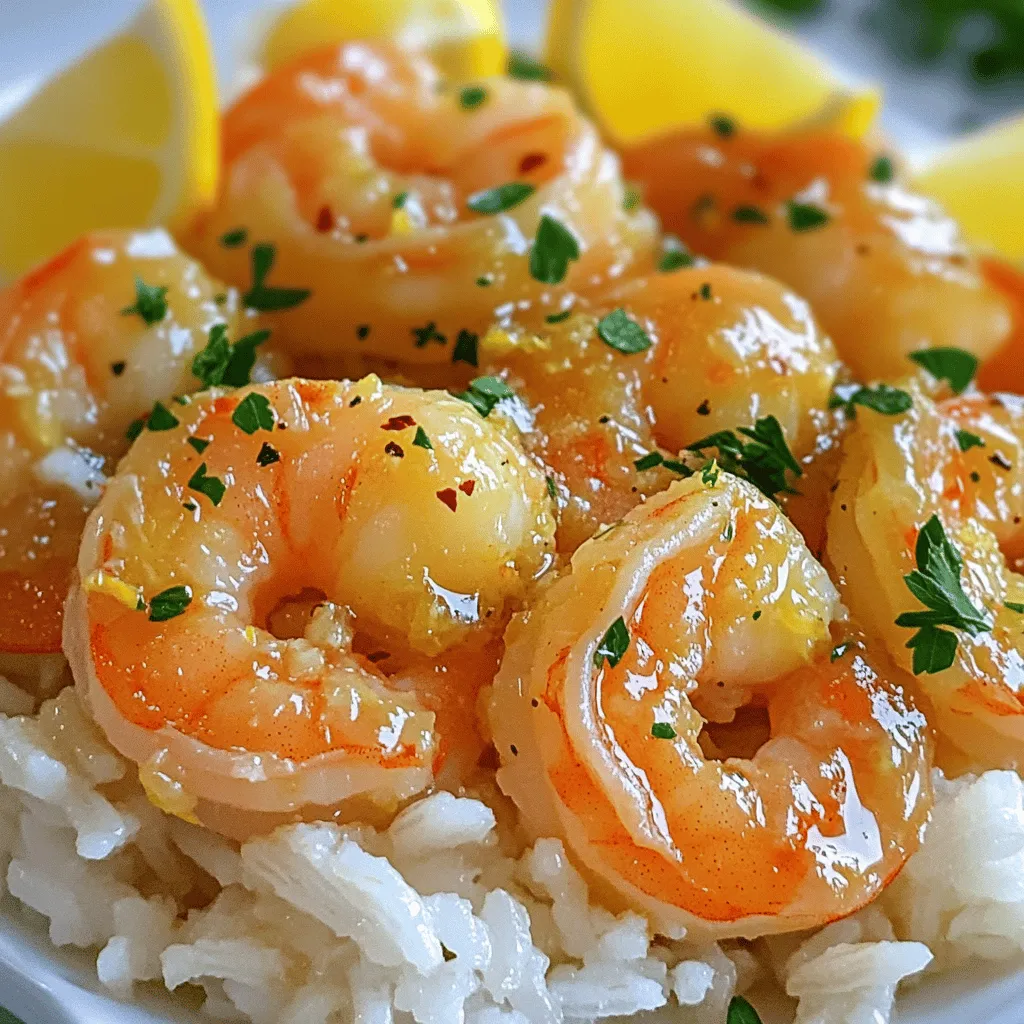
[[705, 292], [485, 393], [150, 302], [936, 584], [756, 615], [421, 440], [953, 365], [553, 249], [655, 458], [749, 215], [806, 216], [882, 170], [722, 125], [741, 1012], [632, 197], [709, 474], [675, 257], [613, 645], [1014, 606], [233, 239], [882, 398], [266, 298], [399, 201], [363, 332], [663, 731], [501, 197], [425, 335], [623, 333], [212, 486], [966, 440], [764, 458], [253, 413], [268, 455], [524, 67], [484, 282], [557, 318], [466, 348], [552, 490], [169, 604], [222, 362], [161, 418], [135, 428], [472, 96], [200, 444]]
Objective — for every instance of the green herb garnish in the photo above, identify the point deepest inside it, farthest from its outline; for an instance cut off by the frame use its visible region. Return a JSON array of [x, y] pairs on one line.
[[472, 96], [557, 318], [882, 398], [466, 348], [722, 125], [421, 440], [150, 302], [484, 393], [623, 333], [233, 239], [200, 444], [253, 413], [552, 490], [425, 335], [221, 362], [741, 1012], [764, 458], [966, 440], [749, 215], [268, 455], [553, 249], [663, 731], [675, 257], [882, 170], [501, 197], [953, 365], [806, 216], [212, 486], [169, 604], [161, 418], [266, 298], [613, 645], [524, 67], [1014, 606]]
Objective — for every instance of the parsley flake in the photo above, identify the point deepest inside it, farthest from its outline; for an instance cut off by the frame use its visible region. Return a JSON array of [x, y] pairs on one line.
[[722, 125], [268, 455], [135, 428], [266, 298], [663, 731], [253, 413], [883, 398], [222, 362], [485, 393], [501, 197], [966, 440], [524, 67], [936, 584], [649, 461], [421, 440], [632, 197], [161, 418], [558, 318], [212, 486], [623, 333], [169, 604], [465, 348], [150, 302], [363, 332], [675, 258], [749, 215], [553, 249], [552, 490], [613, 645], [764, 458], [472, 96], [741, 1012], [399, 201], [710, 473], [200, 444], [1014, 606], [233, 239], [705, 292], [953, 365], [425, 335], [882, 170], [806, 216]]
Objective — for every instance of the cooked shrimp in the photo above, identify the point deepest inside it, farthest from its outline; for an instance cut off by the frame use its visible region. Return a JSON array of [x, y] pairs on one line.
[[76, 370], [726, 347], [899, 472], [885, 270], [419, 521], [361, 166], [630, 710]]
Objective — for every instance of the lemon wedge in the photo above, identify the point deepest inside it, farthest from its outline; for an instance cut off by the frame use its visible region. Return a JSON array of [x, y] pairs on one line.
[[127, 136], [649, 65], [979, 179], [466, 38]]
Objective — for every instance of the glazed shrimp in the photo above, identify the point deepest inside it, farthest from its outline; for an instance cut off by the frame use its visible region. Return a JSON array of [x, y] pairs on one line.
[[76, 370], [418, 522], [885, 270], [629, 714], [358, 164], [727, 347], [897, 474]]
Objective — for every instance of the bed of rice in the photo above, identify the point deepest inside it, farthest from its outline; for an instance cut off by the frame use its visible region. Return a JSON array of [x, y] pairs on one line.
[[445, 917]]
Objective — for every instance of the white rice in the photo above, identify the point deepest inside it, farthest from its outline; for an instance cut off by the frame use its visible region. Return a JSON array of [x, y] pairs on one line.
[[434, 920]]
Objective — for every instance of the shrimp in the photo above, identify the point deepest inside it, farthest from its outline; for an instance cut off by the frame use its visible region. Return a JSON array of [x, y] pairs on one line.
[[884, 269], [676, 708], [373, 179], [416, 524], [726, 348], [897, 473], [77, 366]]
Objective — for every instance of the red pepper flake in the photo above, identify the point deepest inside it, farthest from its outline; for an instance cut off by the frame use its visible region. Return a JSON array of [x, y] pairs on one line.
[[532, 161], [325, 219], [394, 449], [467, 486], [398, 423], [449, 497]]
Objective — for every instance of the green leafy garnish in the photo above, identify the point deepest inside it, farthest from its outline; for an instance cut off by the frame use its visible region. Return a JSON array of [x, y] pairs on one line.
[[150, 302], [722, 125], [421, 440], [613, 645], [135, 428], [882, 170], [1014, 606], [936, 584], [484, 393], [161, 418], [268, 455], [472, 96], [882, 398], [399, 201], [363, 331], [558, 318], [221, 362], [212, 486], [749, 215], [233, 239], [966, 440], [524, 67], [501, 197], [632, 197], [623, 333], [200, 444], [169, 604], [806, 216], [764, 458], [553, 249], [552, 490], [675, 257], [710, 473], [266, 298], [655, 458], [953, 365], [741, 1012], [466, 348], [428, 333], [663, 731], [253, 413]]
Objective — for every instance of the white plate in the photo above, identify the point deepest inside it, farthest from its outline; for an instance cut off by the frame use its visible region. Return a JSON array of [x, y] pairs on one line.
[[46, 986]]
